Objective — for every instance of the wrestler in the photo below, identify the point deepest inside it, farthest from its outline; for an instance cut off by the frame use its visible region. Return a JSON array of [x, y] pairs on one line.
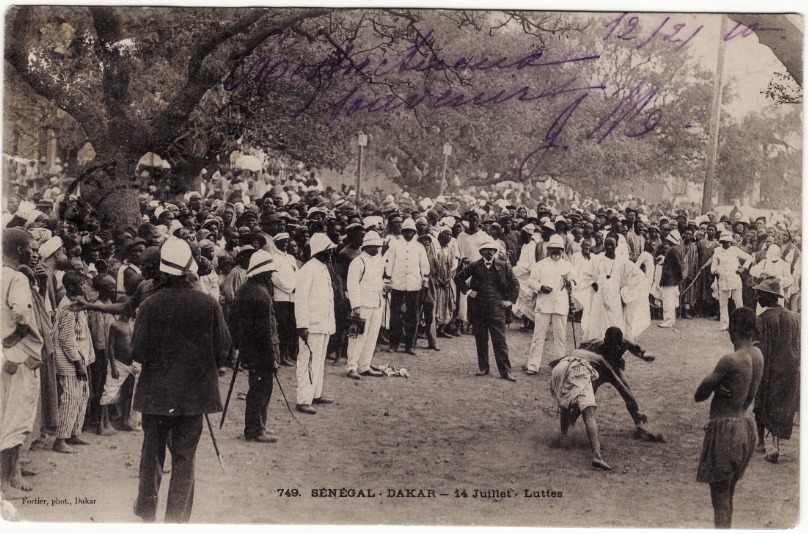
[[729, 437], [575, 380]]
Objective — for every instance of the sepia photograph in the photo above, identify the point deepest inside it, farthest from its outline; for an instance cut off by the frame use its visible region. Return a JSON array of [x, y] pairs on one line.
[[389, 265]]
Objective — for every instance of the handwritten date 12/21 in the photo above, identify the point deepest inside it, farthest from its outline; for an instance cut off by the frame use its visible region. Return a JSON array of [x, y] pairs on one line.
[[627, 28]]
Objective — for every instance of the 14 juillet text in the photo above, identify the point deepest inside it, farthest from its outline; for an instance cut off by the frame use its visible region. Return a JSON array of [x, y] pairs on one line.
[[421, 493]]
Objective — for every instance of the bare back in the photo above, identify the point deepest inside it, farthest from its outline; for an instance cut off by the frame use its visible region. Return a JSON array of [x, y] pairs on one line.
[[733, 383]]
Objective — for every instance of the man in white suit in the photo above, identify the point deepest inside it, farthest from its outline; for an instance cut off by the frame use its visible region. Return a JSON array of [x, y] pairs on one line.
[[365, 286], [314, 315]]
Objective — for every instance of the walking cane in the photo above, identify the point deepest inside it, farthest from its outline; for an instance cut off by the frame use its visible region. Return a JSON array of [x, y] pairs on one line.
[[232, 384], [215, 446]]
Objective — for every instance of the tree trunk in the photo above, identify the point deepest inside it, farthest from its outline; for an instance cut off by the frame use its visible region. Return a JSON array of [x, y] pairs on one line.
[[112, 189]]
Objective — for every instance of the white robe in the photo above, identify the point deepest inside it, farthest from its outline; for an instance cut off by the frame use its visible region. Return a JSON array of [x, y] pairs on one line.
[[620, 299]]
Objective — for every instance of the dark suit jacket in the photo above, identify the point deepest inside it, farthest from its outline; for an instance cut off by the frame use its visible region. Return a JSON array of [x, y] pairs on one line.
[[672, 267], [181, 339], [507, 283], [252, 325]]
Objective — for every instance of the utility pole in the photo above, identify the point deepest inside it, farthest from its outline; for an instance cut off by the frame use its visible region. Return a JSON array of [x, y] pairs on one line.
[[447, 151], [715, 122], [362, 142]]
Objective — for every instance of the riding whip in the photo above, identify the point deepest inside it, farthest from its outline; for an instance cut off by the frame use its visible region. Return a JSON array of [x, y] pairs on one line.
[[215, 445]]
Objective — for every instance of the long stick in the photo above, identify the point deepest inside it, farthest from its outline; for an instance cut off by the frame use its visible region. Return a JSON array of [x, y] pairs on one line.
[[215, 445], [288, 407], [693, 282], [232, 384]]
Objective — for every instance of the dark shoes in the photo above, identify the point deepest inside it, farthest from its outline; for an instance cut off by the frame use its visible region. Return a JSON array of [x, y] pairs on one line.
[[772, 457], [434, 347], [508, 377], [306, 408], [409, 351], [323, 400], [371, 372], [263, 438], [482, 373], [353, 374], [528, 372]]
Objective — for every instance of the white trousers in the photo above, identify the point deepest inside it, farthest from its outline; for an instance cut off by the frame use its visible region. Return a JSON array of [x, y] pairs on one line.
[[723, 303], [310, 384], [543, 321], [670, 301], [361, 347]]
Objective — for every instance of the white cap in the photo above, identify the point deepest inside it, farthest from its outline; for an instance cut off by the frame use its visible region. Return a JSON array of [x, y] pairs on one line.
[[371, 221], [281, 236], [556, 241], [529, 228], [320, 242], [490, 244], [260, 262], [372, 239], [158, 211], [175, 225], [176, 258], [47, 249], [725, 236], [409, 224]]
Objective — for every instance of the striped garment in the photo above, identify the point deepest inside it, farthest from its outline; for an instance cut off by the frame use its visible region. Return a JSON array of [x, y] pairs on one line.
[[73, 397], [73, 339]]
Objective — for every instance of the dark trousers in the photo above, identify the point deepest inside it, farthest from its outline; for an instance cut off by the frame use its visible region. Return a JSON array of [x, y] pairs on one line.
[[287, 329], [488, 319], [403, 323], [185, 431], [338, 343], [428, 315], [97, 374], [258, 396]]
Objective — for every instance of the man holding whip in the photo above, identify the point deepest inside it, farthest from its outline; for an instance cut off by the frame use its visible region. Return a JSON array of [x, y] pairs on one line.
[[255, 335], [180, 339]]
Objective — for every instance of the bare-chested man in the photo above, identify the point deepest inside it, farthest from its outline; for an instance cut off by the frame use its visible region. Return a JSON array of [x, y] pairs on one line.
[[729, 438], [121, 366], [575, 380]]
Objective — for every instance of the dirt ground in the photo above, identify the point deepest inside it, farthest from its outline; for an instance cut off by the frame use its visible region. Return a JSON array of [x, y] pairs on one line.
[[447, 430]]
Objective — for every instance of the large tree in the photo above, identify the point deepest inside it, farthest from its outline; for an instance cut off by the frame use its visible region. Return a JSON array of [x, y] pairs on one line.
[[150, 79]]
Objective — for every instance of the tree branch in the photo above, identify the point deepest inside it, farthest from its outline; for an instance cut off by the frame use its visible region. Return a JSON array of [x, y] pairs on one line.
[[169, 124], [18, 50]]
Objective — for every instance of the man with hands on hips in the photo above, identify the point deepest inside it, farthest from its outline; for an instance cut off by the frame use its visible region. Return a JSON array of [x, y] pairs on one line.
[[491, 288]]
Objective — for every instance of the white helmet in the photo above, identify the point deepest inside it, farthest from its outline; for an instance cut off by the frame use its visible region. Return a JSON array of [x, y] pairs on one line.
[[176, 258], [260, 262], [556, 241]]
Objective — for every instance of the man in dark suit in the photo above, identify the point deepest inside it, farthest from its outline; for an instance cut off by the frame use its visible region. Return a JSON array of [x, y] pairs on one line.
[[492, 289], [255, 335], [181, 340], [672, 276]]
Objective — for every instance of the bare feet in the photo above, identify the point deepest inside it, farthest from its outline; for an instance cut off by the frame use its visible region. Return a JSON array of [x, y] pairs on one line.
[[60, 446], [17, 482], [76, 440], [598, 463], [25, 472], [106, 430]]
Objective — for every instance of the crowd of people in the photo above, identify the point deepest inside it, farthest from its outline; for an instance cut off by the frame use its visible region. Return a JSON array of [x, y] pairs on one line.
[[261, 275]]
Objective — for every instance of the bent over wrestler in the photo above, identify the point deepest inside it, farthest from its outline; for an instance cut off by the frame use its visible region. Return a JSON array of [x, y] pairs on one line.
[[575, 380]]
